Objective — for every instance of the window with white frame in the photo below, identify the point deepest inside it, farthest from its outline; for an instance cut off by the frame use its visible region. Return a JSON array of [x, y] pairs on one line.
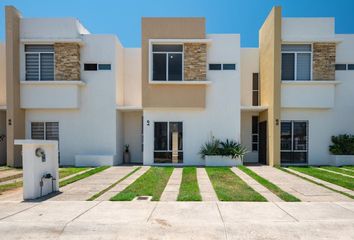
[[296, 62], [39, 62], [45, 130], [167, 62]]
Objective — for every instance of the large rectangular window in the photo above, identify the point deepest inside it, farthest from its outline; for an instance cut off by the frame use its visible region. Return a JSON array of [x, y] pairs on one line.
[[294, 142], [296, 62], [39, 62], [167, 62], [165, 147], [255, 133]]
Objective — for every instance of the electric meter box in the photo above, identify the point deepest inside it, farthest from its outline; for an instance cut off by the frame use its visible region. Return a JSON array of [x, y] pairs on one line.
[[40, 167]]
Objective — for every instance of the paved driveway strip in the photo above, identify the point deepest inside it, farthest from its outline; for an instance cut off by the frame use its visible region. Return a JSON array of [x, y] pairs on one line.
[[122, 185], [172, 188], [205, 187], [300, 188], [176, 220], [87, 187], [271, 197]]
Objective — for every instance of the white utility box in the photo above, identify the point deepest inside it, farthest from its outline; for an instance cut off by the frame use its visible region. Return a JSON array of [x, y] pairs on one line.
[[40, 167]]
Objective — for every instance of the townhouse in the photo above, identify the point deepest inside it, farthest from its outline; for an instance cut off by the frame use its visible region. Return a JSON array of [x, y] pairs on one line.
[[283, 100]]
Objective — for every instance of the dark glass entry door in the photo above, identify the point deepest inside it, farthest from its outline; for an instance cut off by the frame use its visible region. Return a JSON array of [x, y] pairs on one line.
[[262, 150], [294, 142]]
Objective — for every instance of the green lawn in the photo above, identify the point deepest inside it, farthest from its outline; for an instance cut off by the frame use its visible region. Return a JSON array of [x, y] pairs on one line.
[[189, 189], [82, 176], [10, 186], [272, 187], [346, 182], [113, 185], [349, 168], [229, 187], [152, 183], [64, 172], [340, 170], [15, 176]]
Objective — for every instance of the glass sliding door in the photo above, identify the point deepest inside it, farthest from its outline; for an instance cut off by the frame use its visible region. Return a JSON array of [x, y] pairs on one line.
[[168, 142], [294, 142]]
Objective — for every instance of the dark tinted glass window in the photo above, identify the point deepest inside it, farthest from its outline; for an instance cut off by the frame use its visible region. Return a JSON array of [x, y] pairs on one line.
[[229, 66], [255, 81], [288, 66], [255, 100], [350, 66], [176, 127], [254, 124], [104, 66], [90, 66], [341, 67], [286, 133], [214, 66], [160, 133], [47, 66], [159, 67], [167, 48], [175, 66]]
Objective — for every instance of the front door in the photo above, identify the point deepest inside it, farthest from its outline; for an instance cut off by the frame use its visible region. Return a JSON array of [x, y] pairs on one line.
[[168, 142], [262, 150]]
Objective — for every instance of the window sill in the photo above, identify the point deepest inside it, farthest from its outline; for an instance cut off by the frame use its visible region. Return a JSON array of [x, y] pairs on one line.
[[57, 82], [311, 82], [200, 82]]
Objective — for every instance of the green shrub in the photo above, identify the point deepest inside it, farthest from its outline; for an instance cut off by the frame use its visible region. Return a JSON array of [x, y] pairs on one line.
[[223, 148], [343, 144]]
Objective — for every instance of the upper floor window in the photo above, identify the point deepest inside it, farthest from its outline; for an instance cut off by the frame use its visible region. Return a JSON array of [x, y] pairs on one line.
[[39, 62], [167, 62], [296, 62], [255, 89]]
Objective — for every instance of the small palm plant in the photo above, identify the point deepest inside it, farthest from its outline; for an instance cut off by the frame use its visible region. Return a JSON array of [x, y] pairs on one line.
[[211, 147], [233, 149]]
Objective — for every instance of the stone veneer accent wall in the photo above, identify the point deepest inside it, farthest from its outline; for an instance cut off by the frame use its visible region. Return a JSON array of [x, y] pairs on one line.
[[67, 61], [324, 59], [195, 57]]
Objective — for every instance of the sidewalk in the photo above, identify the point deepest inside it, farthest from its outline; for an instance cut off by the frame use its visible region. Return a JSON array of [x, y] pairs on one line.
[[176, 220]]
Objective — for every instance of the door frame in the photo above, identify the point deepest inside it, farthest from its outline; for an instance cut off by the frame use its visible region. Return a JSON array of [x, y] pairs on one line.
[[262, 154]]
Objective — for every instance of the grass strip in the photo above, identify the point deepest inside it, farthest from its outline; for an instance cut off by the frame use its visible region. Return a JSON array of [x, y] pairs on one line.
[[350, 168], [339, 170], [152, 183], [340, 180], [64, 172], [229, 187], [317, 183], [82, 176], [10, 186], [15, 176], [112, 186], [189, 189], [271, 186]]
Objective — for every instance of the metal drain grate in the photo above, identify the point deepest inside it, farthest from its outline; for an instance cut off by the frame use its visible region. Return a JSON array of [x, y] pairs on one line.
[[143, 198]]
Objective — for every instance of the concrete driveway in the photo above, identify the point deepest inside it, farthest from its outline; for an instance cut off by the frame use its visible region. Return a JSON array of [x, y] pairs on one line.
[[176, 220]]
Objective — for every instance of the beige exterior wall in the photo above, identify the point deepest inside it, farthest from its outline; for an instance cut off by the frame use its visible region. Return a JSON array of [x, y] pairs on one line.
[[2, 75], [15, 115], [67, 61], [269, 55], [164, 95], [324, 60]]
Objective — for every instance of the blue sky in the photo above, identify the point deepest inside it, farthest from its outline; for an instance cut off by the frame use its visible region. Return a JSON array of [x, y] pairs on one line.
[[122, 17]]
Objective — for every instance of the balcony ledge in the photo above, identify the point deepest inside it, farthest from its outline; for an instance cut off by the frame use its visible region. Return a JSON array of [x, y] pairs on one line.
[[312, 82], [185, 82], [56, 82]]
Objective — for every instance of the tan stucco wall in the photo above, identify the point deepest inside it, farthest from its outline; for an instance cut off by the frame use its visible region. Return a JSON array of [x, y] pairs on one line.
[[269, 56], [2, 75], [190, 96], [15, 114]]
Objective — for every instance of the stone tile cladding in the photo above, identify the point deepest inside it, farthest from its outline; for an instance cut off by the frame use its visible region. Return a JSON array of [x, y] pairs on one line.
[[67, 61], [195, 57], [324, 59]]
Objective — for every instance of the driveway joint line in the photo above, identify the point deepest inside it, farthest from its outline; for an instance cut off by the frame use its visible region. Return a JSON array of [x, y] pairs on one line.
[[23, 210], [153, 210], [343, 207], [222, 219], [296, 220]]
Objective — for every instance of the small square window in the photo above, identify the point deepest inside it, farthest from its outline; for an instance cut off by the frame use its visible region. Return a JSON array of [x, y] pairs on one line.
[[90, 66], [104, 66], [350, 66], [254, 147], [229, 66], [213, 66], [341, 67]]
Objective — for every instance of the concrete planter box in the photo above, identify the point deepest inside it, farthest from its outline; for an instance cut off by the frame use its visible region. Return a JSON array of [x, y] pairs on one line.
[[342, 160], [222, 161]]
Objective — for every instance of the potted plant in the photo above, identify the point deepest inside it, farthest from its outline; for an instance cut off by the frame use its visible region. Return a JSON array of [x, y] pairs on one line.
[[222, 153], [342, 149], [126, 156]]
